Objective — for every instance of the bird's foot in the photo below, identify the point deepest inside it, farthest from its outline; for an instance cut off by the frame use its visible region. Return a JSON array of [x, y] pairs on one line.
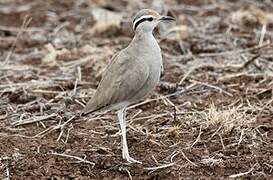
[[130, 159]]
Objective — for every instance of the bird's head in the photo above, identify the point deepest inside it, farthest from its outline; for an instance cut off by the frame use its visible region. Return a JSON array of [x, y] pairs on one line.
[[147, 19]]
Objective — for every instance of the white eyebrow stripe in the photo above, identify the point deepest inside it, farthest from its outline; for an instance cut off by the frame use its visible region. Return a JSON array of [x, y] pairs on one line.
[[142, 17]]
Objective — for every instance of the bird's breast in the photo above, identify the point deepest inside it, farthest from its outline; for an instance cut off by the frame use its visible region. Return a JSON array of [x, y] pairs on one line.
[[148, 52], [154, 59]]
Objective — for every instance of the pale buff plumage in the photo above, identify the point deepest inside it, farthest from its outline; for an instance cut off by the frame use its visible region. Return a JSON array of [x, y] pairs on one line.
[[132, 73]]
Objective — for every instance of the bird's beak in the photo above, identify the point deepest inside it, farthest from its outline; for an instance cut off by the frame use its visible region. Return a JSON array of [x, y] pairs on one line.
[[166, 18]]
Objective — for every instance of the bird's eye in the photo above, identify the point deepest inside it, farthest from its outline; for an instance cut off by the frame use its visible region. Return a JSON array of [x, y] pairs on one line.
[[150, 19]]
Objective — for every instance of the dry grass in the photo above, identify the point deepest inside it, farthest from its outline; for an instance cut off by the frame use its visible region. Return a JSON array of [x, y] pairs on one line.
[[229, 119]]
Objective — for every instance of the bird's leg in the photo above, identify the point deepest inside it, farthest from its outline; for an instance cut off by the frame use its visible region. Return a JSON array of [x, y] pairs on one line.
[[125, 151], [122, 122]]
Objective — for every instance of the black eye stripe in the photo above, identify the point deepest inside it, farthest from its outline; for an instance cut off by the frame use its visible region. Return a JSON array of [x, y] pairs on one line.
[[142, 20]]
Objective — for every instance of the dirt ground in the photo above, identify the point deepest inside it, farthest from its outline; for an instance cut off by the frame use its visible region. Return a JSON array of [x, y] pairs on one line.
[[209, 118]]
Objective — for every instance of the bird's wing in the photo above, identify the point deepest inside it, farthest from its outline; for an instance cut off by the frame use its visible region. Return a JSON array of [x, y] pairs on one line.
[[122, 79]]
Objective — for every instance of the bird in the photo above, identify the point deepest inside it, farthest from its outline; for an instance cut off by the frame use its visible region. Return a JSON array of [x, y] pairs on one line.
[[132, 73]]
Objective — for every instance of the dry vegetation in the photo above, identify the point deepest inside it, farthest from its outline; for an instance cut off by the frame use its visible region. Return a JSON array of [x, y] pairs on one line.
[[211, 115]]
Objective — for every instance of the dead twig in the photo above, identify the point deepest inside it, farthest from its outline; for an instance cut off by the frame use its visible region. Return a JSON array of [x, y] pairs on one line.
[[162, 97], [187, 74], [214, 87], [188, 159], [81, 160], [62, 127], [152, 169], [33, 120], [241, 137], [263, 108], [129, 174], [198, 137], [16, 9], [242, 174], [263, 31], [16, 29], [248, 62], [26, 22], [240, 51]]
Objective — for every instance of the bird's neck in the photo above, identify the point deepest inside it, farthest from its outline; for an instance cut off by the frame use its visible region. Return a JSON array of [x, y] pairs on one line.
[[145, 43], [142, 35], [145, 39]]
